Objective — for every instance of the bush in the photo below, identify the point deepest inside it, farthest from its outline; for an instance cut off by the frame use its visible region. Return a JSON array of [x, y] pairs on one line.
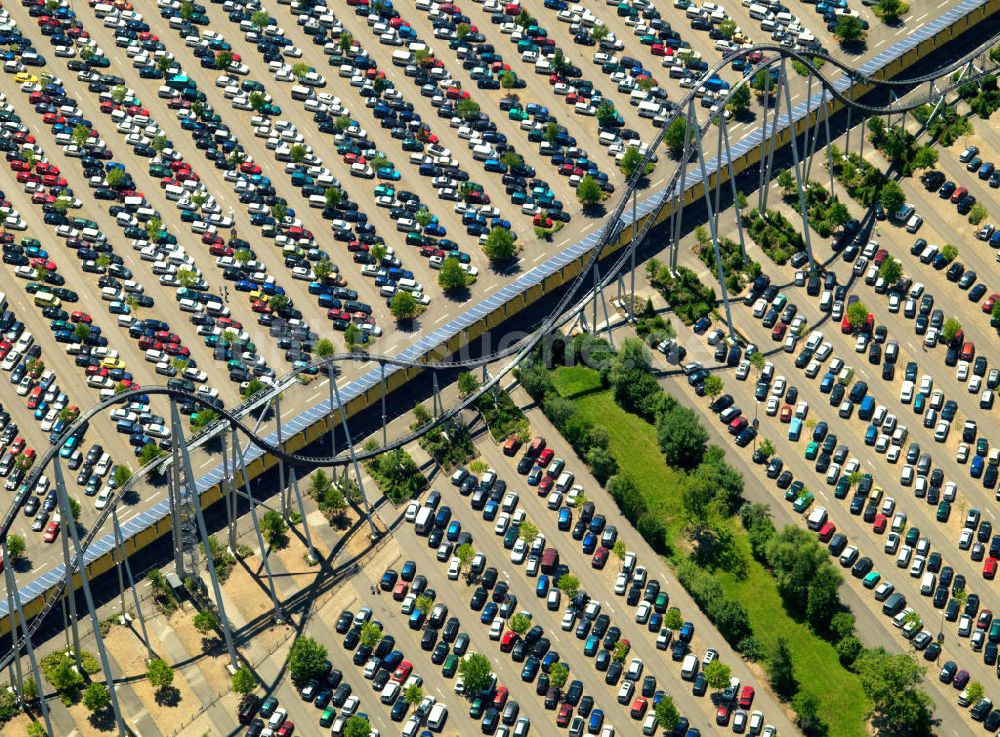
[[862, 180], [776, 236], [397, 475], [736, 269], [690, 299], [729, 615], [502, 416]]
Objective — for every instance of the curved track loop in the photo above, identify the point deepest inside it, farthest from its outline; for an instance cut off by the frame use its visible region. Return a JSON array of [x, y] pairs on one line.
[[559, 316]]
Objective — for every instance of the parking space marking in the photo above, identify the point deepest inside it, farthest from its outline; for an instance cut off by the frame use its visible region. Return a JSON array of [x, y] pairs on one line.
[[443, 317]]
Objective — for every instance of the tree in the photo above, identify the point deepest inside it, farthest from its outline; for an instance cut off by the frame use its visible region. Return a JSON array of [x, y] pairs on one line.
[[892, 683], [588, 191], [891, 271], [974, 691], [258, 101], [80, 134], [607, 115], [849, 30], [223, 59], [149, 453], [278, 303], [423, 604], [621, 651], [857, 315], [465, 554], [279, 210], [620, 549], [568, 584], [675, 135], [599, 32], [950, 329], [371, 633], [357, 726], [306, 659], [949, 252], [467, 383], [766, 448], [164, 63], [243, 681], [274, 529], [667, 715], [527, 531], [978, 213], [508, 80], [892, 195], [324, 348], [353, 337], [499, 247], [717, 674], [713, 386], [682, 438], [476, 672], [15, 546], [890, 11], [631, 161], [298, 153], [74, 509], [520, 623], [739, 99], [413, 694], [848, 650], [807, 707], [404, 305], [780, 670], [786, 180], [205, 621], [260, 20], [159, 673], [672, 619], [824, 597], [467, 109], [187, 10], [37, 729], [558, 675], [451, 276], [96, 697], [301, 69]]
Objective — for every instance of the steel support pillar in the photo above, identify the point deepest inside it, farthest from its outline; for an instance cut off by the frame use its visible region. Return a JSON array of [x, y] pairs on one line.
[[69, 600], [120, 544], [16, 677], [26, 638], [294, 483], [286, 506], [632, 248], [801, 184], [807, 164], [331, 377], [192, 500], [385, 418], [229, 493], [847, 138], [829, 140], [173, 498], [239, 463], [772, 142], [71, 531], [678, 206], [732, 185], [693, 123], [354, 461], [438, 405], [764, 181]]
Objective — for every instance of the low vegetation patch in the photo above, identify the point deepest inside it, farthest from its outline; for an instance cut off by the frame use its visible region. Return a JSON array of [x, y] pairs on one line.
[[776, 235], [684, 292]]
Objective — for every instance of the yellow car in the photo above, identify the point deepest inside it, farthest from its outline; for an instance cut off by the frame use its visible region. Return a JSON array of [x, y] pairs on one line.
[[22, 77], [258, 296], [112, 362]]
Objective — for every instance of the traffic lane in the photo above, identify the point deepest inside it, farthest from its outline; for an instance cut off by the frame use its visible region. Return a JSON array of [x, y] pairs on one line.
[[706, 634], [920, 514], [871, 625], [210, 176], [357, 189], [576, 125], [411, 180], [599, 584], [240, 127], [456, 598]]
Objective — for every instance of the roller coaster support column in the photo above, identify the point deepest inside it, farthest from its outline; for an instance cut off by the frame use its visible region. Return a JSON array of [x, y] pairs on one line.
[[385, 419], [240, 464], [436, 397], [678, 205], [69, 594], [847, 138], [120, 543], [772, 142], [354, 459], [764, 180], [732, 185], [631, 269], [192, 500], [70, 529], [286, 501], [23, 624], [229, 492], [16, 678], [294, 483], [829, 140], [692, 124], [799, 181]]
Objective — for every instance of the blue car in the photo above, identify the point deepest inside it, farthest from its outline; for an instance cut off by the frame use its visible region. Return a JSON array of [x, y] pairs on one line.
[[454, 530], [550, 659], [976, 469], [490, 511], [590, 647], [530, 669], [702, 325], [489, 613], [535, 477], [596, 721], [408, 571], [565, 519], [589, 543], [826, 385], [542, 588], [871, 434], [919, 402]]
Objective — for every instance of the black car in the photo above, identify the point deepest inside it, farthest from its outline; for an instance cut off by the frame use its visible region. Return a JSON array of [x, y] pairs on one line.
[[700, 685], [344, 622], [574, 692], [479, 598]]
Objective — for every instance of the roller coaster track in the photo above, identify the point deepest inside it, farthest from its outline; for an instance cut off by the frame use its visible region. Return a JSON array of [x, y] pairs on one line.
[[559, 316]]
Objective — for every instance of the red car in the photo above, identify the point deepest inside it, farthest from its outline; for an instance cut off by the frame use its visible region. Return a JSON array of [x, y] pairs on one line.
[[285, 730], [508, 641], [564, 715], [779, 331], [400, 590], [826, 532], [51, 532], [746, 697], [403, 671], [880, 523], [639, 707], [601, 558], [738, 425], [545, 457], [968, 351], [545, 486], [722, 715], [990, 569], [500, 697], [990, 301]]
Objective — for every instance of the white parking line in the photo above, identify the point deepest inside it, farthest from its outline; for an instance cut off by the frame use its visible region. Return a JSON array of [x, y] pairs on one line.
[[443, 317], [589, 226]]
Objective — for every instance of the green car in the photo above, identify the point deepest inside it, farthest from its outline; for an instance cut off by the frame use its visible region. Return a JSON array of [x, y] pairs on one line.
[[872, 579], [450, 667], [803, 502], [510, 539], [329, 714], [794, 491], [982, 447], [477, 708], [267, 706], [843, 486], [660, 605], [812, 450], [943, 511], [912, 535]]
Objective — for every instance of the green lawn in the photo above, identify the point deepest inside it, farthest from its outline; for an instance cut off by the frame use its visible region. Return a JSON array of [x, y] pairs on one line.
[[633, 443]]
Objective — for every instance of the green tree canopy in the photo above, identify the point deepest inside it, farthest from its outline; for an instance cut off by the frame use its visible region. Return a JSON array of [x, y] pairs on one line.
[[499, 247], [476, 672], [306, 659]]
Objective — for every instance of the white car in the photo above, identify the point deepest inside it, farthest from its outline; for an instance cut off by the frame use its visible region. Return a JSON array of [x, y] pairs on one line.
[[965, 539], [411, 511], [573, 495], [962, 371], [621, 583], [518, 552], [642, 612], [454, 569], [568, 619], [503, 521], [772, 406]]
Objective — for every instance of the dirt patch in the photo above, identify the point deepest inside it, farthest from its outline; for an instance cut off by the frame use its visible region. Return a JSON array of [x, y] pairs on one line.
[[18, 726], [253, 601], [212, 664]]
